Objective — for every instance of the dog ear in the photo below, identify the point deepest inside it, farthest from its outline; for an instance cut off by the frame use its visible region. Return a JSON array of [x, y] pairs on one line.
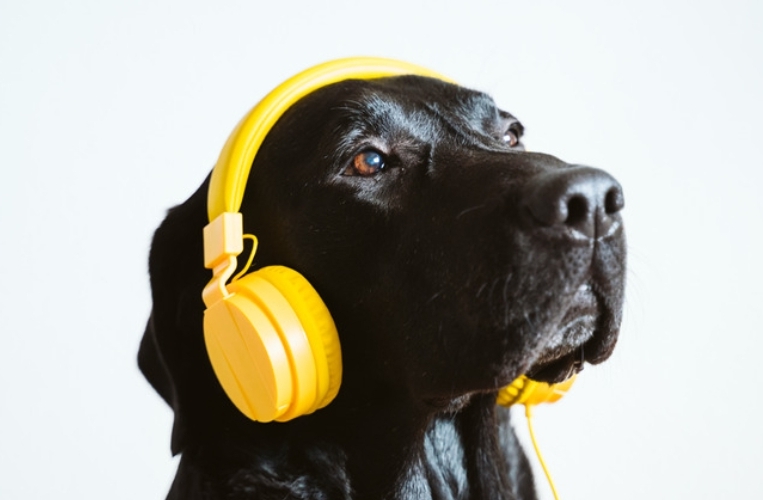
[[152, 365], [156, 371], [172, 354], [165, 364]]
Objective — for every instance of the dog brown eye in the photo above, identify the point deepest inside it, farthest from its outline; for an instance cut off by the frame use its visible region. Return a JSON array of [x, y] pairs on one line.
[[368, 163], [510, 138]]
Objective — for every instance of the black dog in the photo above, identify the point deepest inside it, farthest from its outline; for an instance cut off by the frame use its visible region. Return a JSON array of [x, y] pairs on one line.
[[451, 260]]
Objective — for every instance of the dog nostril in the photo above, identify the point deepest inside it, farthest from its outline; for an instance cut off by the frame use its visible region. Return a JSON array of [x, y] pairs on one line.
[[577, 210], [614, 201], [584, 200]]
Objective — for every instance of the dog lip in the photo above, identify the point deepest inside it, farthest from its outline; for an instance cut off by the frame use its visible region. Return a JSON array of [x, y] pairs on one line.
[[564, 353], [558, 370]]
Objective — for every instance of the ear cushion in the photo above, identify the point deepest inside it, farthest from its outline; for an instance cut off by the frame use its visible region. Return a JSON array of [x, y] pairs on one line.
[[318, 326], [512, 393], [531, 392]]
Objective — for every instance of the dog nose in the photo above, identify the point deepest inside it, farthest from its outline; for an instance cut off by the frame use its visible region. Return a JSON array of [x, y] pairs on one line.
[[583, 199]]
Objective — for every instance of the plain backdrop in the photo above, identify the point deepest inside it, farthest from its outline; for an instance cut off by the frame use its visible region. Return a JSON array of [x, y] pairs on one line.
[[111, 112]]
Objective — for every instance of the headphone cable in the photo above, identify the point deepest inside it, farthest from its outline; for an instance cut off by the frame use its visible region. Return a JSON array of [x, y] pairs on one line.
[[529, 415], [250, 259]]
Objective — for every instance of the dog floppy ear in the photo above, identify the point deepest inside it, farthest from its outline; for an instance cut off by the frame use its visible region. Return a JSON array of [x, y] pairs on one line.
[[164, 377], [152, 365], [172, 355]]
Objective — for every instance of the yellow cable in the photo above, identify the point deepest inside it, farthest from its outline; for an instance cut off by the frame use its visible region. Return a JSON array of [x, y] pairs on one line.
[[251, 257], [529, 415]]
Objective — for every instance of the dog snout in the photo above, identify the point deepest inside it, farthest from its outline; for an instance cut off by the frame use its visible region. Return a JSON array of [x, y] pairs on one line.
[[584, 200]]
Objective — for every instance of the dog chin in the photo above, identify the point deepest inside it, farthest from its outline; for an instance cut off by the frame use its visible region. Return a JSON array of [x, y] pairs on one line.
[[563, 355]]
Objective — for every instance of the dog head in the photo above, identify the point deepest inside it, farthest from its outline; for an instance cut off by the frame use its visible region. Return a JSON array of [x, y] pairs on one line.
[[451, 259]]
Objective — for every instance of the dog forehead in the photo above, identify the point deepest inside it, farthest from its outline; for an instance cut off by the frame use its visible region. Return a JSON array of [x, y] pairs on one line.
[[402, 108], [411, 94], [381, 98]]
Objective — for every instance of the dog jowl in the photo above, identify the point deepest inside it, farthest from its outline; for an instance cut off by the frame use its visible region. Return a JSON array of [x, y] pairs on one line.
[[452, 261]]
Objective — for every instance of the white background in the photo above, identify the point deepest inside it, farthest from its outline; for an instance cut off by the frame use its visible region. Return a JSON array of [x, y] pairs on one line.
[[111, 112]]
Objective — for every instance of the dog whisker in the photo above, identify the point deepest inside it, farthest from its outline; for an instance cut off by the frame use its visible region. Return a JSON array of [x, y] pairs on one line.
[[432, 298], [506, 304], [490, 296], [529, 320], [470, 209]]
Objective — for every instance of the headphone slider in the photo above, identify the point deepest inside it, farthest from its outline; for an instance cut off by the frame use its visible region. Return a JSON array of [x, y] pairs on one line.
[[223, 237]]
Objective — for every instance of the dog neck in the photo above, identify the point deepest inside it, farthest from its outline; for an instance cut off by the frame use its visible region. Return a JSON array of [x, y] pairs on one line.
[[471, 452], [400, 452]]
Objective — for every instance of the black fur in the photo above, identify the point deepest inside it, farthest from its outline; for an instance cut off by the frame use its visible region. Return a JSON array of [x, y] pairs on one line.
[[461, 265]]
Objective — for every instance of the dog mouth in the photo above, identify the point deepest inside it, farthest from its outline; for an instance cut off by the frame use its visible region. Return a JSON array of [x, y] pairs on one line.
[[564, 353], [559, 369]]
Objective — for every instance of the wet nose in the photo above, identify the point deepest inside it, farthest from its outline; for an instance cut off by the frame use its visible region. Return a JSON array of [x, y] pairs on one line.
[[582, 199]]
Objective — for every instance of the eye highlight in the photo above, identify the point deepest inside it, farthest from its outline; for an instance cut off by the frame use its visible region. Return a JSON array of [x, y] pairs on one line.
[[367, 163], [511, 138]]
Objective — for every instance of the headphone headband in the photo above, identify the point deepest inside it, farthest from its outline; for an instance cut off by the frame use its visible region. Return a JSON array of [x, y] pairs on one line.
[[226, 187]]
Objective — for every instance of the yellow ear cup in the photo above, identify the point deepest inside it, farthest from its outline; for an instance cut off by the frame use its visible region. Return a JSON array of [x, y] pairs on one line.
[[318, 326], [248, 357], [531, 392], [281, 315], [274, 346]]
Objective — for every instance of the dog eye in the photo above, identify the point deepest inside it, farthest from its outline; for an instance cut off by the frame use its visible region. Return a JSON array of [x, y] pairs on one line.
[[510, 138], [368, 163]]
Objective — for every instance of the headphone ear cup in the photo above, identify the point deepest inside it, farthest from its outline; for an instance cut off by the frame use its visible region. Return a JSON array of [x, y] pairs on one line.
[[274, 346], [526, 391], [318, 326], [248, 357], [513, 393]]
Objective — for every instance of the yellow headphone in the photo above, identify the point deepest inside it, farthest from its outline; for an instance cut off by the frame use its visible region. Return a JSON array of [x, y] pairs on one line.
[[270, 338], [528, 392]]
